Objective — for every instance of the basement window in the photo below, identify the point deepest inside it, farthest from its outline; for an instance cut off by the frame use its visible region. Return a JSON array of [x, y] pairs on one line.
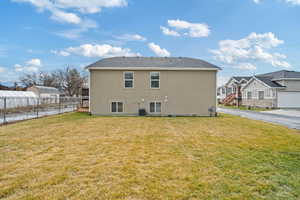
[[155, 107], [117, 107]]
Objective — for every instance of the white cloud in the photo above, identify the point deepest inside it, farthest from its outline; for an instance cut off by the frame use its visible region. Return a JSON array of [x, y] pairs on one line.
[[64, 11], [131, 37], [251, 49], [56, 13], [167, 31], [221, 80], [32, 65], [61, 16], [75, 33], [97, 50], [245, 66], [60, 53], [34, 62], [194, 30], [2, 69], [293, 2], [158, 50], [90, 6]]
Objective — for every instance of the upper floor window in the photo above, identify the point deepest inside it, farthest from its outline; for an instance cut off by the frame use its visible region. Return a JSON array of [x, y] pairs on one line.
[[128, 79], [261, 95], [154, 79]]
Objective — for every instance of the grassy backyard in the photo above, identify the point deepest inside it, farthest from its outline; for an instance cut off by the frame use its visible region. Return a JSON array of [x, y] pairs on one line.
[[76, 156]]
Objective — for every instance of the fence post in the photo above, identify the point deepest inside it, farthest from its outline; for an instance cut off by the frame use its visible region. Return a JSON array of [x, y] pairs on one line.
[[28, 107], [37, 107], [59, 102], [4, 109]]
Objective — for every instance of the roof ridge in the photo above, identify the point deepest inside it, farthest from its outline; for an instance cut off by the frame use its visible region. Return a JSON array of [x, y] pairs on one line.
[[154, 62]]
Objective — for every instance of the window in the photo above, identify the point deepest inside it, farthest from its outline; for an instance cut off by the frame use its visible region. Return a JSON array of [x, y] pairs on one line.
[[155, 107], [223, 90], [261, 95], [128, 79], [117, 107], [154, 79], [249, 95], [234, 89]]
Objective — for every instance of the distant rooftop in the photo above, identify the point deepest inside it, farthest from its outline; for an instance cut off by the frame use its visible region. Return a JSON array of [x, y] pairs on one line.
[[282, 74], [152, 62], [268, 81], [49, 90], [239, 78]]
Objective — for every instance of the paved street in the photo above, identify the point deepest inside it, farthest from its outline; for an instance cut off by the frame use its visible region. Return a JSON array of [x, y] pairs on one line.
[[281, 119]]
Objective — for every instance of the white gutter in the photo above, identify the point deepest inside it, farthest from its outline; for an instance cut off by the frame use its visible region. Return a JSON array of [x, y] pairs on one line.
[[283, 79]]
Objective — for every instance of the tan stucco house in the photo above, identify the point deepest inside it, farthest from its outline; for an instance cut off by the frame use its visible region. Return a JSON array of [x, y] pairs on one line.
[[159, 85]]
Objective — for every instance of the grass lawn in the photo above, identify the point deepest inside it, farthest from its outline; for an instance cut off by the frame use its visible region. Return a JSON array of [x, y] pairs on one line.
[[75, 156]]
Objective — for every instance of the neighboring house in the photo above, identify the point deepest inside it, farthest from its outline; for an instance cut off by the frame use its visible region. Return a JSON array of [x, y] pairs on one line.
[[3, 87], [221, 93], [47, 94], [230, 93], [280, 89], [160, 86]]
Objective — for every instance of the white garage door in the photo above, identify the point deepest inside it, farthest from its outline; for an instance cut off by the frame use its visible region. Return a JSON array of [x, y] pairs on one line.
[[289, 99]]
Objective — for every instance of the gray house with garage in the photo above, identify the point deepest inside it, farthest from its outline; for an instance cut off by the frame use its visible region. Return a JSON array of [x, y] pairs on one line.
[[280, 89]]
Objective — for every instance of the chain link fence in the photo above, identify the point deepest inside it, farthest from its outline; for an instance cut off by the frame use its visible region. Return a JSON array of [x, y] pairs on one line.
[[14, 109]]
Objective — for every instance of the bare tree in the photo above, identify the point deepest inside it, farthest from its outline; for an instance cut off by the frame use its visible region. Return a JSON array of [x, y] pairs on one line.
[[68, 80], [29, 80]]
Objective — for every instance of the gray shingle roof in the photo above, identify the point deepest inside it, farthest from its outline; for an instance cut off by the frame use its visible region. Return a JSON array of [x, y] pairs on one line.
[[281, 74], [239, 78], [268, 81], [48, 90], [152, 62]]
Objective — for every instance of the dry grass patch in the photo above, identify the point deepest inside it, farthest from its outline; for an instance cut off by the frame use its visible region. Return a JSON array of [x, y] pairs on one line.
[[75, 156]]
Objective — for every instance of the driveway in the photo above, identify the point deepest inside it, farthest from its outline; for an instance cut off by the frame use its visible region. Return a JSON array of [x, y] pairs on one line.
[[273, 117]]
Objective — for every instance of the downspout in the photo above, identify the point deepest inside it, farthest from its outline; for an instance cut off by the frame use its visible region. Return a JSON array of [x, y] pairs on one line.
[[89, 84]]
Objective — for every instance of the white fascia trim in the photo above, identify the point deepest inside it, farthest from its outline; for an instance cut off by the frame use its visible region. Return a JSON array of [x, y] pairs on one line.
[[288, 79], [154, 68]]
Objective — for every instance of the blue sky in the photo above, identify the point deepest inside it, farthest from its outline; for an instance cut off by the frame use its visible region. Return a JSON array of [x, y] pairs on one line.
[[243, 37]]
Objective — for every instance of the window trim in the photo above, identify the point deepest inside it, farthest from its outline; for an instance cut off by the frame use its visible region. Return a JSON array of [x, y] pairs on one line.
[[117, 106], [124, 80], [157, 88], [155, 102]]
